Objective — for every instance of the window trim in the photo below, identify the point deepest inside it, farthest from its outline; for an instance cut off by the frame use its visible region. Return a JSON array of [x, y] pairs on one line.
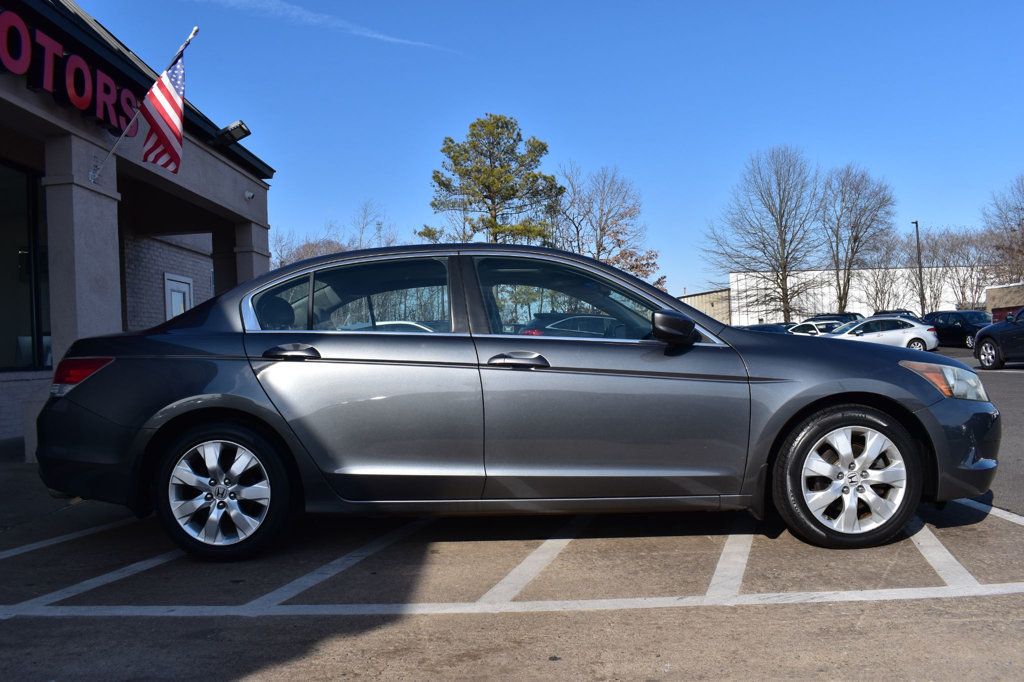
[[250, 323], [178, 279]]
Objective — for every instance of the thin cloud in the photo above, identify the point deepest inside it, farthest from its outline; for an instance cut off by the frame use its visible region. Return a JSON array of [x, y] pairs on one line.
[[300, 16]]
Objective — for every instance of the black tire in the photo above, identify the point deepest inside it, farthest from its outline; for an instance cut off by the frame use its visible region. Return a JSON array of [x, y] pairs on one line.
[[278, 513], [917, 344], [990, 348], [787, 489]]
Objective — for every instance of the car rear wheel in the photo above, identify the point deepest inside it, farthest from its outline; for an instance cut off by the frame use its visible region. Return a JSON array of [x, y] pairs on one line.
[[969, 340], [847, 477], [989, 355], [917, 344], [222, 492]]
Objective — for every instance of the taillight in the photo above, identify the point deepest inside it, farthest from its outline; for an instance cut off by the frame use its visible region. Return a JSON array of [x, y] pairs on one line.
[[531, 332], [73, 371], [931, 329]]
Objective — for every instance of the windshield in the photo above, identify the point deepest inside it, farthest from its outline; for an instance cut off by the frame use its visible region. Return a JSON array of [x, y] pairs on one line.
[[843, 328]]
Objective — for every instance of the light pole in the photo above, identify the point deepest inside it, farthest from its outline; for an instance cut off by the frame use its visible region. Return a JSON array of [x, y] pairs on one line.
[[920, 268]]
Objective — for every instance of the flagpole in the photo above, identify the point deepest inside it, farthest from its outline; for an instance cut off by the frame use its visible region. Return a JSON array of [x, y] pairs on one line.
[[94, 173]]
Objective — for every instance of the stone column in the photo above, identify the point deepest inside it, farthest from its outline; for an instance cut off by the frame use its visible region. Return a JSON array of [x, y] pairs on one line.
[[252, 250], [84, 253]]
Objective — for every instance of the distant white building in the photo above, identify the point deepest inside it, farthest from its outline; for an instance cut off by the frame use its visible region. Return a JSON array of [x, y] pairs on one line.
[[870, 290]]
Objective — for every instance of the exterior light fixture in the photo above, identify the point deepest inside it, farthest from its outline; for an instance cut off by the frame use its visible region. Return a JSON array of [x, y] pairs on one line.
[[233, 132]]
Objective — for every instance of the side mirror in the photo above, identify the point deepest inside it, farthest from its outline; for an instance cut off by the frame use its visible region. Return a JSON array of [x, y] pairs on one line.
[[859, 332], [673, 328], [1009, 318]]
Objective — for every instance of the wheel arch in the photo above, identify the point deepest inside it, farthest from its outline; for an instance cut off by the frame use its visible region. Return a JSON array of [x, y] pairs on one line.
[[149, 458], [882, 403]]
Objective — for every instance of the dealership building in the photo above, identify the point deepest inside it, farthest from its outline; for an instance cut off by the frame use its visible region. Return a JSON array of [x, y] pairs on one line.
[[83, 253]]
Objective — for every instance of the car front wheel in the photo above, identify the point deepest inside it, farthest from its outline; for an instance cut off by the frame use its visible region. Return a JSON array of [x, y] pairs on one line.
[[222, 492], [847, 477], [989, 355]]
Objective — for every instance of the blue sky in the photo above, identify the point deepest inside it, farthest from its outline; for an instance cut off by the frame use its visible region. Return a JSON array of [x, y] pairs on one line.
[[350, 101]]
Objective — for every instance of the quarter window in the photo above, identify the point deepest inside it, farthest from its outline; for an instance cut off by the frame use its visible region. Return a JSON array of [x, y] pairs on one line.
[[405, 296], [285, 306], [539, 298]]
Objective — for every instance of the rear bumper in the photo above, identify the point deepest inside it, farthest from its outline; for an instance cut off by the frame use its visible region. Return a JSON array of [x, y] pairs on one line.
[[84, 455], [966, 436]]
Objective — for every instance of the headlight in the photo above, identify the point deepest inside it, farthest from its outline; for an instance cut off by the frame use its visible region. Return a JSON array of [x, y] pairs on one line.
[[952, 382]]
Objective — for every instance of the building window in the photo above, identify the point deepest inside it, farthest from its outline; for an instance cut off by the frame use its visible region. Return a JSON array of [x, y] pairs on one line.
[[177, 294], [24, 290]]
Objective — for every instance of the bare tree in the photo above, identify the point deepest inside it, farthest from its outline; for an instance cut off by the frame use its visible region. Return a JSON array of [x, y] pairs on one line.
[[367, 228], [599, 216], [934, 274], [969, 265], [768, 229], [855, 210], [883, 278], [1004, 217]]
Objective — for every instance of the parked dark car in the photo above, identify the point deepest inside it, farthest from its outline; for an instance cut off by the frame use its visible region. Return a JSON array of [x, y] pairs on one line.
[[576, 325], [841, 318], [901, 312], [270, 399], [770, 328], [958, 327], [1001, 342]]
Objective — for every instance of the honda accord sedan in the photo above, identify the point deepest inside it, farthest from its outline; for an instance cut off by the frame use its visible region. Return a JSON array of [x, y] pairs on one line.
[[396, 381]]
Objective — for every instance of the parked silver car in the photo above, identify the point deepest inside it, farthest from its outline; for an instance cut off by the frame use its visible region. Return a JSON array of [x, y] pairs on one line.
[[813, 328], [891, 331]]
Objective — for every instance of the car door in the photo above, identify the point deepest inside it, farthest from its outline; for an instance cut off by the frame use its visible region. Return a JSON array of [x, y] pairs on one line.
[[892, 332], [944, 328], [867, 331], [1011, 339], [376, 374], [611, 417]]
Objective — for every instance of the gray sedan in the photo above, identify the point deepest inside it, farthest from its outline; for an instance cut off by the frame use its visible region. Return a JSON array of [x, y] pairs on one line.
[[396, 381]]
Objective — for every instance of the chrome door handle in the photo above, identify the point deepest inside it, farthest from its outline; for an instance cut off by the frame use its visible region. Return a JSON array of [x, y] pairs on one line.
[[292, 351], [519, 358]]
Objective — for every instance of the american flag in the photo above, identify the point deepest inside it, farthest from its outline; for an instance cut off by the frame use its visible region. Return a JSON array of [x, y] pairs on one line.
[[163, 108]]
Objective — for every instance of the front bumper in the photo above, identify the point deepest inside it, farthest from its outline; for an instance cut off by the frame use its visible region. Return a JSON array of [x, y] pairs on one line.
[[84, 455], [966, 437]]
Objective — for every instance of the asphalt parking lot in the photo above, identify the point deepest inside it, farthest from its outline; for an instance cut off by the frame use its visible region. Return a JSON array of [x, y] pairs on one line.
[[88, 592]]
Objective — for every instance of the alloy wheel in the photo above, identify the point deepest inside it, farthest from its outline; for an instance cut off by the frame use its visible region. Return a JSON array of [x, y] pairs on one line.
[[853, 479], [969, 341], [219, 492], [917, 345], [987, 355]]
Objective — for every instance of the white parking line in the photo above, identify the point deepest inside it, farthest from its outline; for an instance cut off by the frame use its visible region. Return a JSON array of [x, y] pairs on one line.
[[935, 553], [994, 511], [768, 598], [15, 551], [522, 575], [100, 580], [732, 564], [342, 563]]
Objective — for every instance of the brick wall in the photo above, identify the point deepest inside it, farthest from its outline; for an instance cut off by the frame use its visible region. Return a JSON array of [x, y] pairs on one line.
[[17, 390], [147, 259]]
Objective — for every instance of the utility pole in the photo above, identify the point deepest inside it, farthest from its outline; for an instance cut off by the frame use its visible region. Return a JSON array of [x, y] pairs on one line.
[[920, 268]]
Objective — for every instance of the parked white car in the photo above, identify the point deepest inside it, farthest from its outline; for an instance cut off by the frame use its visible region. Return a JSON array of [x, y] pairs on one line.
[[813, 328], [890, 330]]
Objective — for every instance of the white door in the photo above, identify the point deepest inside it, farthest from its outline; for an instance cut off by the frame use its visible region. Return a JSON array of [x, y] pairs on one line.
[[177, 294]]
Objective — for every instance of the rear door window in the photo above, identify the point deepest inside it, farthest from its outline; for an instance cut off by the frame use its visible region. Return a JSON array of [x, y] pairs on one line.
[[284, 306], [400, 296]]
